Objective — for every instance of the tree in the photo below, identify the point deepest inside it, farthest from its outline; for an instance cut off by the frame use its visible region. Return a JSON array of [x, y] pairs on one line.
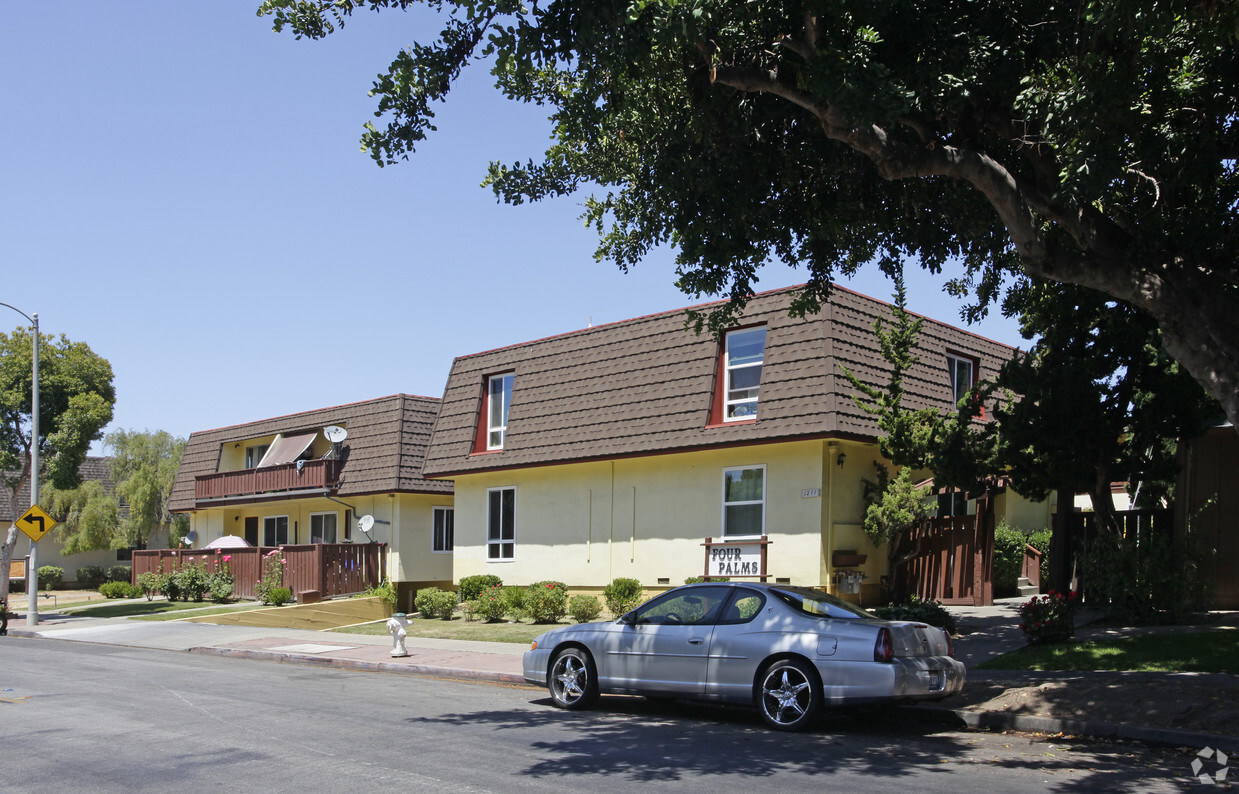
[[1092, 143], [75, 404], [143, 467]]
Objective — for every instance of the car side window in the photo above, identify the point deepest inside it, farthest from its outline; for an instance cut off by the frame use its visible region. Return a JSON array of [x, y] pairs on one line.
[[743, 607], [696, 607]]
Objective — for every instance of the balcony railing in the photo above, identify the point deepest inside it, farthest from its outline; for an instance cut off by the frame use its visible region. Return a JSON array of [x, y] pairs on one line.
[[269, 479]]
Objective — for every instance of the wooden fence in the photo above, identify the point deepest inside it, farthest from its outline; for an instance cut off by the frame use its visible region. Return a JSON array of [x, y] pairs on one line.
[[1135, 526], [322, 569], [954, 560]]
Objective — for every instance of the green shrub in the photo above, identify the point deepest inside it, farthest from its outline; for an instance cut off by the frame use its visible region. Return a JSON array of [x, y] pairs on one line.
[[470, 610], [90, 577], [1155, 581], [916, 609], [515, 599], [385, 590], [1040, 540], [622, 595], [150, 583], [432, 602], [472, 586], [546, 602], [170, 586], [1009, 545], [584, 608], [279, 596], [491, 605], [51, 577], [115, 590], [272, 576], [192, 582], [120, 573], [220, 588], [1049, 618]]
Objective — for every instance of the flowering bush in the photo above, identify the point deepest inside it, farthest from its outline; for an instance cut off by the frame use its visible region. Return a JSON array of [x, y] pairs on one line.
[[492, 604], [546, 602], [272, 576], [1049, 618]]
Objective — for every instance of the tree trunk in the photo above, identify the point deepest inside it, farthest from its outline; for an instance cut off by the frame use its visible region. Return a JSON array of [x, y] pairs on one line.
[[6, 556], [1061, 546], [1103, 503]]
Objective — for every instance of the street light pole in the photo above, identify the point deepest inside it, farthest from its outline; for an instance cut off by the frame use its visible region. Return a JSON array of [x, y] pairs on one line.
[[32, 572]]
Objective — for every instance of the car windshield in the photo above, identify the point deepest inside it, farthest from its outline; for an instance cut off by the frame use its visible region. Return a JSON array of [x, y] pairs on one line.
[[818, 603]]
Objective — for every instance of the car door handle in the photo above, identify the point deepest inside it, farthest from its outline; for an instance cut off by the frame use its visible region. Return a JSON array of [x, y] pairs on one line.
[[696, 641]]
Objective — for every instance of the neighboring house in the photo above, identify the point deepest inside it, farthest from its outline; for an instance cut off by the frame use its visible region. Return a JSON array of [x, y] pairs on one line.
[[620, 449], [93, 468], [1207, 500], [282, 481]]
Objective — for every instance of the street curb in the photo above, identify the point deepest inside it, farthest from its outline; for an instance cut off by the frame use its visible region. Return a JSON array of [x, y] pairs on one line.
[[1102, 730], [361, 665]]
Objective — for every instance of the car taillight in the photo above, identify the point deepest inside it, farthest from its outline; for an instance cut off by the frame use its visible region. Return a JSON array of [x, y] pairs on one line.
[[950, 645], [884, 647]]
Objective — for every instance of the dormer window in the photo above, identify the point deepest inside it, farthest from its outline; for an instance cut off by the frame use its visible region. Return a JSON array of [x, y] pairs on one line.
[[254, 454], [498, 402], [963, 375], [744, 352]]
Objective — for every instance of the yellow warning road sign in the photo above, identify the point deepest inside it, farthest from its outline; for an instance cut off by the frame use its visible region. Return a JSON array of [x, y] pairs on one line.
[[36, 523]]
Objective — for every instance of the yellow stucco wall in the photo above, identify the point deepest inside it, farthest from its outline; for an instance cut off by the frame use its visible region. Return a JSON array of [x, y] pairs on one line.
[[646, 518], [1021, 512]]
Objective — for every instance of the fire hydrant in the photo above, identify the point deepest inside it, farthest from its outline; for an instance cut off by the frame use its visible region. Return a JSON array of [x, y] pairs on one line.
[[396, 625]]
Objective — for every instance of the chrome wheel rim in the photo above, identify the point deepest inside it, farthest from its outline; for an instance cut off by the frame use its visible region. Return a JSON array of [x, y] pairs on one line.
[[786, 695], [569, 678]]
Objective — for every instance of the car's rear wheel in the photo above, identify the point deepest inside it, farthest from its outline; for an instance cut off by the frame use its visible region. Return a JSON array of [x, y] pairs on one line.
[[573, 682], [789, 695]]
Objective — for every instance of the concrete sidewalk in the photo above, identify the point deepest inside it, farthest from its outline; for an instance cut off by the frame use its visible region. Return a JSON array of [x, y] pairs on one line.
[[990, 632]]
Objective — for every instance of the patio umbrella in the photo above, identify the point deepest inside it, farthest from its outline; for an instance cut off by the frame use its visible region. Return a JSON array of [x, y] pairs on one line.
[[228, 542]]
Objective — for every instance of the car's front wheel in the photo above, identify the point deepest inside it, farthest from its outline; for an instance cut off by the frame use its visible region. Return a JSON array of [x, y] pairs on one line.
[[573, 682], [789, 695]]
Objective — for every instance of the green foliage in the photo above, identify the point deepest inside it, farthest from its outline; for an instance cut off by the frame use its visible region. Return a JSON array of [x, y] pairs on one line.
[[546, 602], [584, 608], [897, 507], [1097, 150], [191, 582], [1154, 581], [278, 596], [272, 576], [88, 515], [120, 590], [622, 595], [472, 586], [432, 602], [514, 598], [1040, 540], [694, 580], [1008, 559], [384, 590], [51, 577], [120, 573], [922, 611], [144, 466], [1049, 618], [90, 576], [150, 583], [491, 605]]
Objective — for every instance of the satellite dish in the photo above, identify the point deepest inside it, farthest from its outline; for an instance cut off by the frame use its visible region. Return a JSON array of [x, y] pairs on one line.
[[191, 536], [335, 434], [365, 523]]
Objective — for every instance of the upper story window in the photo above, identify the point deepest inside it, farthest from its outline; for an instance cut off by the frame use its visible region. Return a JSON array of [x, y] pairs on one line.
[[498, 402], [963, 376], [254, 454], [743, 355]]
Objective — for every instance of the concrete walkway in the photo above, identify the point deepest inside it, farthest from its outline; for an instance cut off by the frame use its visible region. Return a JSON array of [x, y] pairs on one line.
[[989, 633]]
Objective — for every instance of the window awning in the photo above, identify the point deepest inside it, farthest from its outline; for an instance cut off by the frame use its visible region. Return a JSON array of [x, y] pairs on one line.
[[286, 449]]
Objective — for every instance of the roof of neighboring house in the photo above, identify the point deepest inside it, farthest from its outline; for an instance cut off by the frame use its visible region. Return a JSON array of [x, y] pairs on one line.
[[645, 386], [93, 468], [383, 453]]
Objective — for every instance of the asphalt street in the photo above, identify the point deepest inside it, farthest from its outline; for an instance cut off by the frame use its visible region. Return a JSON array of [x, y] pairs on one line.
[[111, 718]]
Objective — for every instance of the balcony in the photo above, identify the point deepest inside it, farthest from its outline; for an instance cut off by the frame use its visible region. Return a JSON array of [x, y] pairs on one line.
[[269, 480]]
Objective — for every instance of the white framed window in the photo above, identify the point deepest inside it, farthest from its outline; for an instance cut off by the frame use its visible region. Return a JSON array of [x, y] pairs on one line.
[[744, 353], [744, 501], [443, 524], [963, 376], [323, 527], [274, 530], [501, 524], [254, 454], [498, 401]]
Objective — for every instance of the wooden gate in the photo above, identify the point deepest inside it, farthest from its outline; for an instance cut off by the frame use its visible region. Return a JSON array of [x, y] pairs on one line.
[[954, 559]]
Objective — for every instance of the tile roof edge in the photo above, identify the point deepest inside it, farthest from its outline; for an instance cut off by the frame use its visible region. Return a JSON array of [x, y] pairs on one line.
[[398, 395]]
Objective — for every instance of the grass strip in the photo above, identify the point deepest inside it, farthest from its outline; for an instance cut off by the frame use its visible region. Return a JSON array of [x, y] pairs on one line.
[[1214, 651]]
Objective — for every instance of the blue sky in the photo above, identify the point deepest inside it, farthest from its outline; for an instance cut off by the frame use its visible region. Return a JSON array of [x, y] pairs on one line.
[[182, 189]]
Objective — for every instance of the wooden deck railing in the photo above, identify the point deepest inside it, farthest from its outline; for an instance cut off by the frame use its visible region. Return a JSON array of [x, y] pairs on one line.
[[330, 569], [1030, 568], [285, 477]]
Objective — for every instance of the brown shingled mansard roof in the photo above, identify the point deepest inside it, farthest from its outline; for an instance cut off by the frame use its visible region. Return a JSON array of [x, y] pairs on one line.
[[644, 386], [383, 453]]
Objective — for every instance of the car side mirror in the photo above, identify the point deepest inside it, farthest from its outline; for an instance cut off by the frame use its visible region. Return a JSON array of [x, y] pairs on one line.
[[628, 618]]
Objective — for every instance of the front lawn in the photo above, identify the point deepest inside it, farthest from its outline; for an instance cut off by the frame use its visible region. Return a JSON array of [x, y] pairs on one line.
[[151, 610], [1215, 651], [460, 629]]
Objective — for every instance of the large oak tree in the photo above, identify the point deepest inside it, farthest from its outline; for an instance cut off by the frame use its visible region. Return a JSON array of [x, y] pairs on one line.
[[1091, 142]]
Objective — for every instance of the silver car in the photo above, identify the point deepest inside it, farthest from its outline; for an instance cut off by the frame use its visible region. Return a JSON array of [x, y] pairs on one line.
[[789, 651]]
